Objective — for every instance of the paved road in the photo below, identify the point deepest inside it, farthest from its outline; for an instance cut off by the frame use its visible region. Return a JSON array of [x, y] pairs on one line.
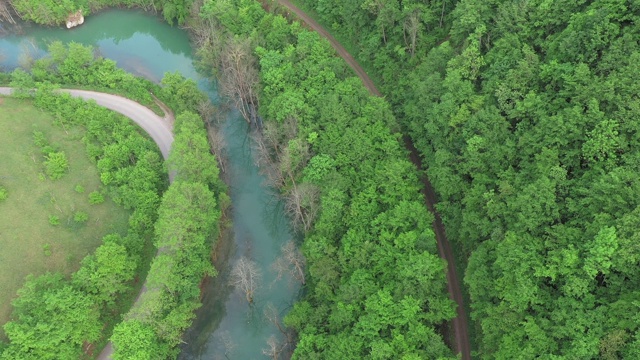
[[159, 128], [460, 326]]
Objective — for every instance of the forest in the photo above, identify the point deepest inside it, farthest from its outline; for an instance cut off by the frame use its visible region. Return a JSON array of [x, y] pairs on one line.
[[523, 112], [55, 317]]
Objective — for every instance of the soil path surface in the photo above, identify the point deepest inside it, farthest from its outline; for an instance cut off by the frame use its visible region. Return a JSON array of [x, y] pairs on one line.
[[159, 128], [315, 26], [459, 323]]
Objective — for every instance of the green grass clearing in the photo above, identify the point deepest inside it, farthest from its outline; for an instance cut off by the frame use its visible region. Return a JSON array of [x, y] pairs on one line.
[[30, 243]]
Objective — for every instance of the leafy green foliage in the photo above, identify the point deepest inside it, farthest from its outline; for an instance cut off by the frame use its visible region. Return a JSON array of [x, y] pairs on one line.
[[186, 228], [375, 285], [46, 248], [525, 117], [4, 193], [52, 320], [181, 94], [137, 341], [80, 217], [96, 197], [54, 220], [75, 63], [56, 165], [106, 273], [53, 317]]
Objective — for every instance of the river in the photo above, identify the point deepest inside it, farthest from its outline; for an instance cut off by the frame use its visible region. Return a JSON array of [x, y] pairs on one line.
[[226, 327]]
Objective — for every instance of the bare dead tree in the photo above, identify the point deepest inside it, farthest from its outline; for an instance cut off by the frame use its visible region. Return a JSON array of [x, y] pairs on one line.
[[273, 348], [411, 29], [5, 11], [207, 110], [247, 277], [238, 78], [273, 316], [148, 5], [228, 343], [291, 261], [444, 3], [218, 145], [281, 156], [267, 162], [278, 349], [272, 138], [303, 204], [28, 53]]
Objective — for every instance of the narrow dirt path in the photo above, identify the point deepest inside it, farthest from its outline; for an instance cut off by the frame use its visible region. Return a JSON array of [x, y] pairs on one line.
[[336, 45], [459, 323]]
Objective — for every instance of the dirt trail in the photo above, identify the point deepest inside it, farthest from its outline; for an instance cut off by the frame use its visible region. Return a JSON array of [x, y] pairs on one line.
[[336, 45], [459, 323]]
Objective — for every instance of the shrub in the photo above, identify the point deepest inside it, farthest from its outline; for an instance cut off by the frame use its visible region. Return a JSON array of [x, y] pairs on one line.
[[54, 220], [56, 165], [95, 197], [39, 139], [80, 217], [79, 189], [47, 249], [4, 194]]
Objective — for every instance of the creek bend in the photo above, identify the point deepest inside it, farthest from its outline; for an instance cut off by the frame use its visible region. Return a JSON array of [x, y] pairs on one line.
[[225, 327]]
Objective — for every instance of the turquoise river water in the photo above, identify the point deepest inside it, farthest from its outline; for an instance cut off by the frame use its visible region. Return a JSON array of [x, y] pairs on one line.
[[226, 327]]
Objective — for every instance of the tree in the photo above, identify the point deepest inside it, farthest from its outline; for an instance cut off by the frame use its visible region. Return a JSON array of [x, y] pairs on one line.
[[412, 27], [277, 348], [238, 78], [106, 273], [180, 93], [135, 340], [291, 261], [302, 205], [386, 12], [52, 320], [5, 12], [246, 276], [190, 155], [273, 349], [218, 144]]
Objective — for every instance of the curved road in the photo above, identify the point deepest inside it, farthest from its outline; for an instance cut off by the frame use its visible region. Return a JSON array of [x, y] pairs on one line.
[[460, 326], [159, 128], [160, 131]]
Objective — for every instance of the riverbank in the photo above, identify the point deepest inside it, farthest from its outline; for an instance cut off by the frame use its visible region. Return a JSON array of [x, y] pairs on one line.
[[149, 51]]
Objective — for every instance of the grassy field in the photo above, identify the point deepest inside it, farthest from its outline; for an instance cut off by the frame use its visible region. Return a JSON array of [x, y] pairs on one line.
[[29, 243]]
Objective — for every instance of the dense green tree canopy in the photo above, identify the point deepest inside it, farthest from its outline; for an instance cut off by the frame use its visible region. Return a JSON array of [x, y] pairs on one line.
[[526, 115], [375, 285]]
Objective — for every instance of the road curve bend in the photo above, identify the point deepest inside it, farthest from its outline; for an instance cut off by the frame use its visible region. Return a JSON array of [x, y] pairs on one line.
[[459, 323], [159, 128], [156, 126]]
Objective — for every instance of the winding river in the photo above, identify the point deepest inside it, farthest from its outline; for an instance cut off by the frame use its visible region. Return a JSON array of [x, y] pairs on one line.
[[226, 327]]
